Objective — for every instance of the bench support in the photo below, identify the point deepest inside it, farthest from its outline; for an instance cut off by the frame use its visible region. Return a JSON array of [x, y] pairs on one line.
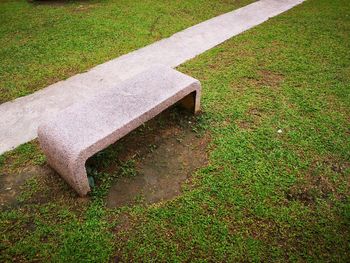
[[80, 131]]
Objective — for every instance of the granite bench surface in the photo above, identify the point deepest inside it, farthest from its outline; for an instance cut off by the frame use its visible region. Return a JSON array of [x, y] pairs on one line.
[[78, 132]]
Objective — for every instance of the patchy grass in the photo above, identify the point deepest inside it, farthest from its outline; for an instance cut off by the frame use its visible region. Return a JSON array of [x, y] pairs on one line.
[[47, 41], [265, 195], [25, 155]]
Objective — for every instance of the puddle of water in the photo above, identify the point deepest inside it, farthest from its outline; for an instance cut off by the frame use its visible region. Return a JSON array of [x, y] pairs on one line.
[[162, 172]]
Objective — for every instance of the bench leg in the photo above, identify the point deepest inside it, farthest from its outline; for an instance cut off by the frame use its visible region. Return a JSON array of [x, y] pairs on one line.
[[191, 102]]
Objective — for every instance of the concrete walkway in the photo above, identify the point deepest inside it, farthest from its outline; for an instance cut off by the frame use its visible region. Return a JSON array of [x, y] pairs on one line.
[[20, 118]]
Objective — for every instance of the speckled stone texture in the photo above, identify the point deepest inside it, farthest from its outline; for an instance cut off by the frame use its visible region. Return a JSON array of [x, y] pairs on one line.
[[80, 131]]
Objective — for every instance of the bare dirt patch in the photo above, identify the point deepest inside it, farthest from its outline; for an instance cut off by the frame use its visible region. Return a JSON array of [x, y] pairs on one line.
[[252, 120], [163, 153], [161, 173], [318, 184], [33, 184], [266, 78], [270, 78], [10, 185]]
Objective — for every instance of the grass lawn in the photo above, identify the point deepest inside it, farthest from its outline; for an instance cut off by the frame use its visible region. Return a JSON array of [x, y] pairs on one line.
[[276, 106], [41, 44]]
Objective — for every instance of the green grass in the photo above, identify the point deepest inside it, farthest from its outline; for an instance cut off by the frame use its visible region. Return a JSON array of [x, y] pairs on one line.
[[265, 196], [41, 44]]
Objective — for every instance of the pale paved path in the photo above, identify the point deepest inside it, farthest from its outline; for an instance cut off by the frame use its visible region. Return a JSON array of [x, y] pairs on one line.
[[20, 118]]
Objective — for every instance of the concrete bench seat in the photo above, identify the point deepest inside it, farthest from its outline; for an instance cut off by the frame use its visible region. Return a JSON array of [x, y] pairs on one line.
[[80, 131]]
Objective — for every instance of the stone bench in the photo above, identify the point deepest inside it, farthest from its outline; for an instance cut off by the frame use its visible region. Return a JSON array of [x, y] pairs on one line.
[[81, 130]]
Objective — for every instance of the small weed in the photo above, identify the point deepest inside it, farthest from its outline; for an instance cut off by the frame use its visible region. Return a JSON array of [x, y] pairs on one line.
[[128, 168], [30, 187], [152, 147]]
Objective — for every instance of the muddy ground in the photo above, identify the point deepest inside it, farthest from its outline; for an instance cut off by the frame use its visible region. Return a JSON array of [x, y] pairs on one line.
[[148, 165]]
